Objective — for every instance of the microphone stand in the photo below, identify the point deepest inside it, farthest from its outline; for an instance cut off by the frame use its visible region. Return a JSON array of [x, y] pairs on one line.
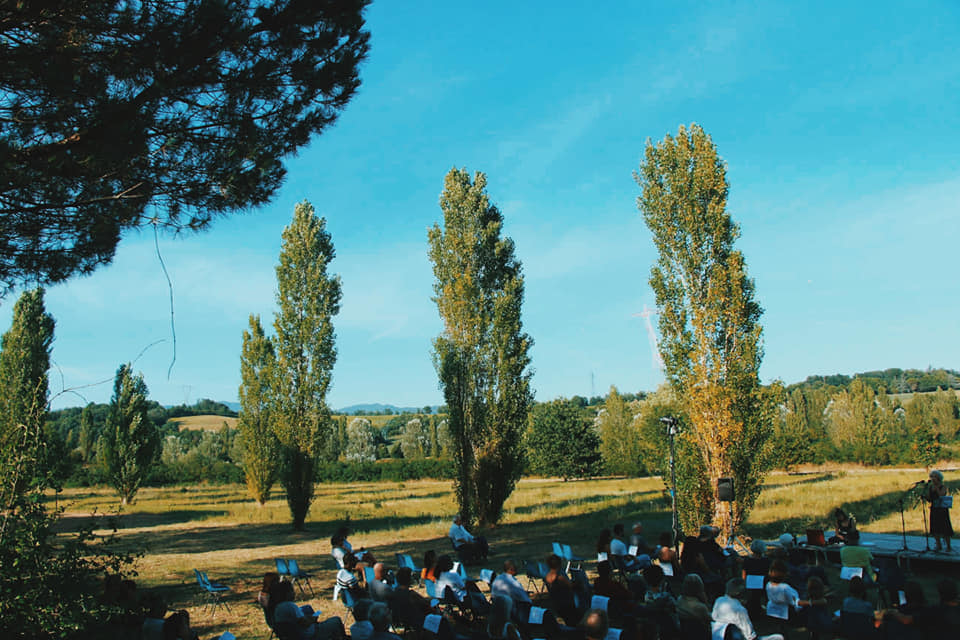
[[901, 501], [923, 512]]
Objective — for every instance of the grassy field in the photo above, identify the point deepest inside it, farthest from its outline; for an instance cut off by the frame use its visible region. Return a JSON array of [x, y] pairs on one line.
[[219, 530], [204, 423]]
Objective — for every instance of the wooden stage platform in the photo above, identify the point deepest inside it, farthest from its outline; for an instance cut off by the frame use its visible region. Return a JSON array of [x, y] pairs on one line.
[[890, 545]]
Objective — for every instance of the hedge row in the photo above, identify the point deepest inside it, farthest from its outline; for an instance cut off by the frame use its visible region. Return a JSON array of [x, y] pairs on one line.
[[386, 470]]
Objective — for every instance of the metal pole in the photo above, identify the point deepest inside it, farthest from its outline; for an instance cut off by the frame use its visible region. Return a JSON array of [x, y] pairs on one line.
[[673, 489]]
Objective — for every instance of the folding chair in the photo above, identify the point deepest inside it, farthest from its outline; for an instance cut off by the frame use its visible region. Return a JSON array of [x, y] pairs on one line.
[[558, 549], [487, 576], [534, 576], [348, 601], [283, 569], [212, 590], [404, 560], [368, 575], [297, 574]]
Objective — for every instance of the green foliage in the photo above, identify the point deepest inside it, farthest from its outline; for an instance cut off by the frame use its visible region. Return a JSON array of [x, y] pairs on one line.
[[259, 444], [709, 320], [198, 456], [24, 360], [361, 441], [386, 470], [654, 445], [117, 115], [619, 437], [482, 356], [130, 442], [415, 440], [307, 299], [562, 441]]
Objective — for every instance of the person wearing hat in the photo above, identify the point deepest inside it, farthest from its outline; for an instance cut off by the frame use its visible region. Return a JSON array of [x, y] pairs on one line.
[[703, 556], [728, 609]]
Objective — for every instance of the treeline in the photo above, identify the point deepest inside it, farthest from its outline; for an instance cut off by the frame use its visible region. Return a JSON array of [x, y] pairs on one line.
[[889, 380]]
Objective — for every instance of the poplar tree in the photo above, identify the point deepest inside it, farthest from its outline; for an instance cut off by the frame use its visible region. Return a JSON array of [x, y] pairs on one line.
[[88, 434], [307, 298], [482, 355], [258, 440], [130, 441], [709, 320], [619, 438], [361, 443], [24, 361]]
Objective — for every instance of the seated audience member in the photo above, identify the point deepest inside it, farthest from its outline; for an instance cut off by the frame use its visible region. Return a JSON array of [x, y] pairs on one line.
[[346, 580], [177, 627], [270, 578], [607, 587], [470, 548], [798, 569], [506, 584], [814, 613], [380, 619], [912, 618], [703, 556], [782, 599], [449, 578], [361, 629], [406, 604], [846, 532], [692, 607], [603, 541], [756, 564], [288, 617], [637, 540], [429, 570], [336, 549], [660, 605], [380, 589], [947, 613], [499, 625], [853, 555], [596, 624], [856, 600], [619, 548], [561, 590], [728, 609], [666, 553], [361, 554]]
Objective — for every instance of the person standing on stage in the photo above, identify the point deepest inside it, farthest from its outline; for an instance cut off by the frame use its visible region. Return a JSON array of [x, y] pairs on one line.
[[934, 493]]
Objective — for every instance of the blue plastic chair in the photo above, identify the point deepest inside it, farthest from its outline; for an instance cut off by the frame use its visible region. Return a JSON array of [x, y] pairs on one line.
[[282, 567], [297, 574], [213, 591]]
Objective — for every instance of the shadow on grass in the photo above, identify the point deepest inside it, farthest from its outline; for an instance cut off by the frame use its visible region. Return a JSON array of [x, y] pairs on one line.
[[575, 502], [72, 523], [806, 481]]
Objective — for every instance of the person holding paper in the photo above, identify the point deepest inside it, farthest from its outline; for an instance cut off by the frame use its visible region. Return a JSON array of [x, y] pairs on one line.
[[292, 621], [782, 598], [506, 584], [631, 560], [935, 493], [728, 609], [854, 555]]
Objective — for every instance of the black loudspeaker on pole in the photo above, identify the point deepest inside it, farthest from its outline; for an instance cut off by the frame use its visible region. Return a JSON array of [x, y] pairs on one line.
[[725, 489]]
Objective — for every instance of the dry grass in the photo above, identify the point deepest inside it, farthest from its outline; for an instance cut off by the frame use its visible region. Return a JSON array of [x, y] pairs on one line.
[[204, 423], [218, 529]]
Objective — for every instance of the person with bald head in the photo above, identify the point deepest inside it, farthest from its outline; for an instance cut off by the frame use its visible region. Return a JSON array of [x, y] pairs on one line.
[[380, 588]]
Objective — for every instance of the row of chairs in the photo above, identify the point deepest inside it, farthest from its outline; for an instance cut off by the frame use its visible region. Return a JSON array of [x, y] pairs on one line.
[[290, 569]]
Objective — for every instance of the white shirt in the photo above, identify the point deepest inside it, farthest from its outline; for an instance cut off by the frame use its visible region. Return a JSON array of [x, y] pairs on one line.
[[780, 597], [454, 581], [618, 548], [506, 585], [338, 554], [730, 611], [459, 535]]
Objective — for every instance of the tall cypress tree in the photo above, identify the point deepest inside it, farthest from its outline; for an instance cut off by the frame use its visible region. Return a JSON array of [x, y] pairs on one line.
[[307, 298], [130, 441], [259, 442], [709, 320], [24, 361], [482, 355]]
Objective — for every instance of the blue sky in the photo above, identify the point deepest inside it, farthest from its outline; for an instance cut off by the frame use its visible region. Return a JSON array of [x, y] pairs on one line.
[[838, 121]]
